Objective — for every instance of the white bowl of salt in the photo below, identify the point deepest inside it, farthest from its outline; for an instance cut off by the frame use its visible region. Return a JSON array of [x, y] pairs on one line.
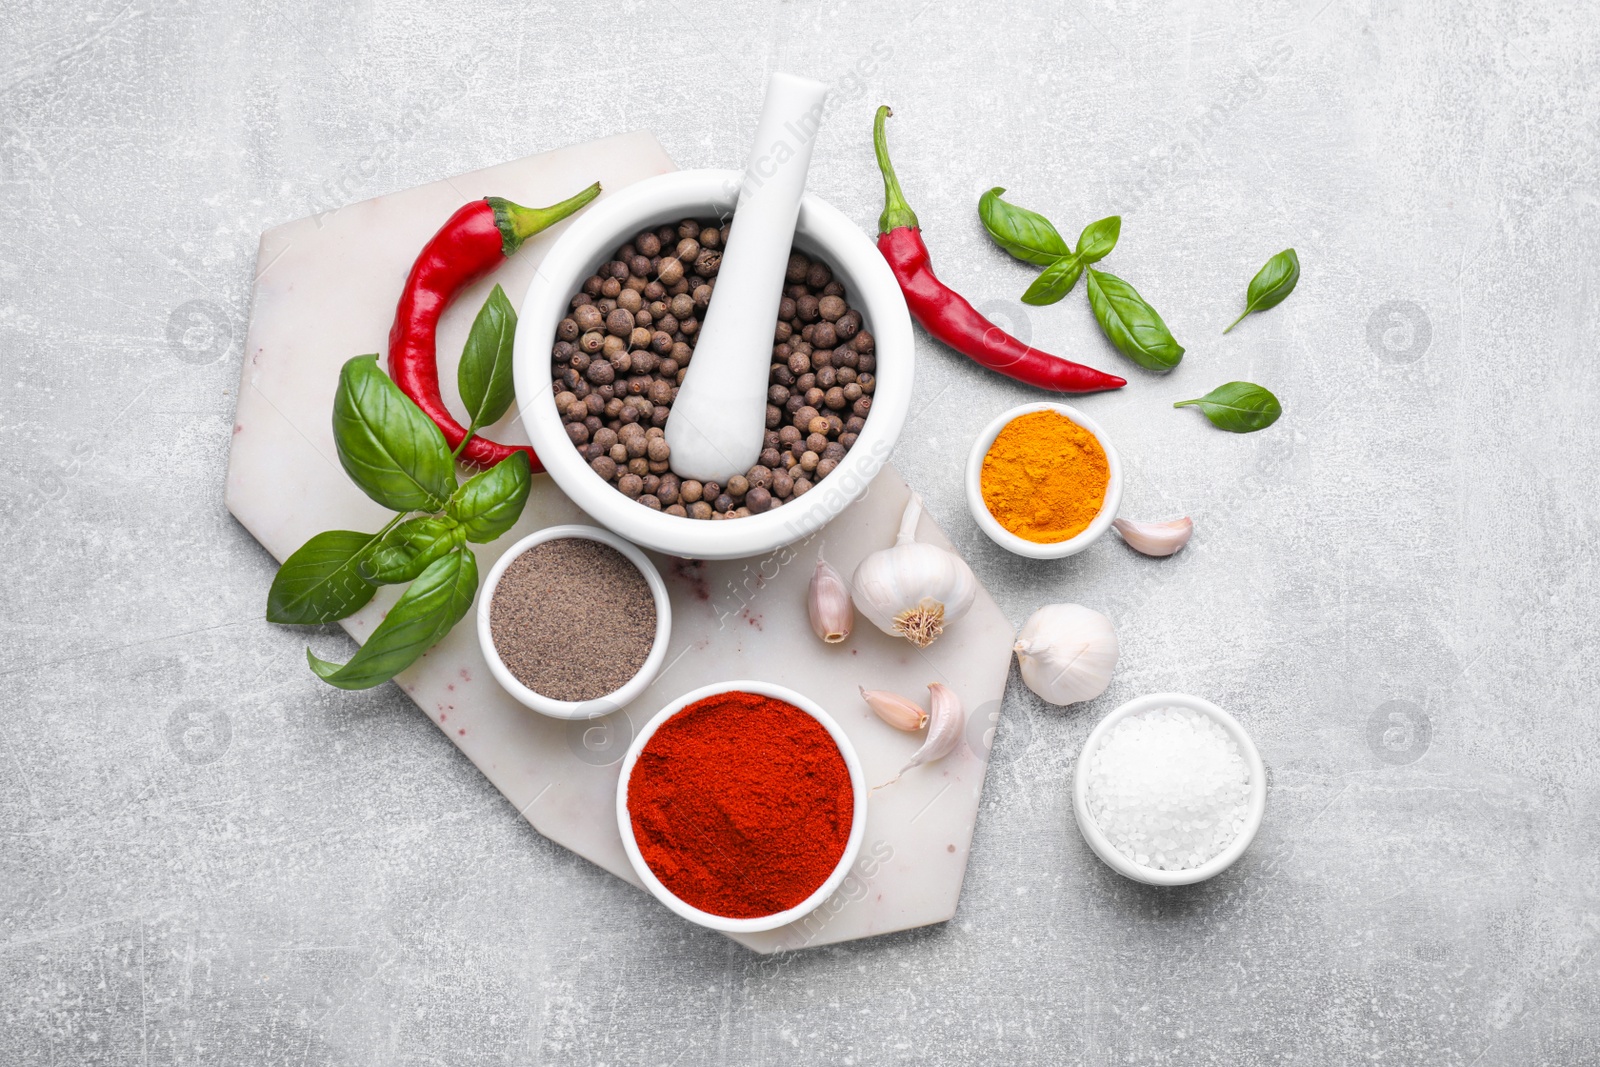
[[1169, 790]]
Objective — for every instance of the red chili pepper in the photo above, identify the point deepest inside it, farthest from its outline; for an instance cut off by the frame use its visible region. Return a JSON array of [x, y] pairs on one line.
[[471, 243], [946, 314]]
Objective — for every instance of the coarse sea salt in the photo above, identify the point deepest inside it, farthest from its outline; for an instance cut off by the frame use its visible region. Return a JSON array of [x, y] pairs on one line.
[[1168, 788]]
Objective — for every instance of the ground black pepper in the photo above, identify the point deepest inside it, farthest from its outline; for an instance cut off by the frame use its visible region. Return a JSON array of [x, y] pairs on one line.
[[572, 619]]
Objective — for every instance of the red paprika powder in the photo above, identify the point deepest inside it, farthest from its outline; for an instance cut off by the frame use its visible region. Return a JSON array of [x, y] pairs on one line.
[[741, 804]]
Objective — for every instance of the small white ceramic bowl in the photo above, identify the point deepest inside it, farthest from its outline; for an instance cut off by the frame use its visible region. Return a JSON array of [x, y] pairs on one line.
[[1021, 545], [576, 709], [590, 240], [858, 823], [1150, 875]]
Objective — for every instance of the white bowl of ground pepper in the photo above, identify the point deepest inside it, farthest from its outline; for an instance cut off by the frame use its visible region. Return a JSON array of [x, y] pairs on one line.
[[574, 621], [590, 241], [1043, 481]]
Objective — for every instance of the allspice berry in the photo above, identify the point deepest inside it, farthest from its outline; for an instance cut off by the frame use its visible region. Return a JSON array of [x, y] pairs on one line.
[[620, 322]]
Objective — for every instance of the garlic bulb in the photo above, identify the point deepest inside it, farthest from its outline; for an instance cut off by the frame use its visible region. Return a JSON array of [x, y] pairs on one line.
[[1155, 538], [828, 603], [895, 709], [914, 589], [1066, 652]]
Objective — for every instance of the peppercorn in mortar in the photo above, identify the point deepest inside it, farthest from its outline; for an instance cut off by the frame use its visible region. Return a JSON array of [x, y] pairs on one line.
[[624, 349]]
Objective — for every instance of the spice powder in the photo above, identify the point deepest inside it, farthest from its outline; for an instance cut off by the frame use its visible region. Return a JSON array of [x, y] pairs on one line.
[[1045, 477], [741, 804], [573, 619]]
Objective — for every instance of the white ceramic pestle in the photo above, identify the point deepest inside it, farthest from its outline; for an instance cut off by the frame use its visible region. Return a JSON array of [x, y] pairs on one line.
[[719, 418]]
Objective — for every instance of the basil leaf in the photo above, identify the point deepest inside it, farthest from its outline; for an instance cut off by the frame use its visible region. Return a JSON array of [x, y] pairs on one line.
[[408, 549], [1099, 238], [489, 504], [322, 580], [1131, 324], [1271, 284], [485, 371], [427, 610], [1025, 234], [1056, 281], [1238, 407], [388, 447]]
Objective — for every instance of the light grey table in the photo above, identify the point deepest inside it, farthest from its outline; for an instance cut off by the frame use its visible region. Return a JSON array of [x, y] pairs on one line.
[[210, 858]]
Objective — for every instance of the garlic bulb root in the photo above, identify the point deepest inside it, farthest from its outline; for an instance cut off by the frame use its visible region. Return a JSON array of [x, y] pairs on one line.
[[1067, 653], [913, 589]]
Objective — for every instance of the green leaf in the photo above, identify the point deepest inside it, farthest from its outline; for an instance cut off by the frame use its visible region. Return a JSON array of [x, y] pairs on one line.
[[1271, 284], [489, 504], [1099, 238], [1025, 234], [387, 446], [1131, 324], [408, 549], [1238, 407], [1056, 281], [427, 610], [322, 581], [485, 371]]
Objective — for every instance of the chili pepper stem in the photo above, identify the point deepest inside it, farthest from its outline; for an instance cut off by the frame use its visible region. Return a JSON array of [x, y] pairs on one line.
[[517, 223], [896, 212]]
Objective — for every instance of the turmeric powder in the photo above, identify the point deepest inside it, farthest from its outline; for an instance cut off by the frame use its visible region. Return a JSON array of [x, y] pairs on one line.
[[1045, 477]]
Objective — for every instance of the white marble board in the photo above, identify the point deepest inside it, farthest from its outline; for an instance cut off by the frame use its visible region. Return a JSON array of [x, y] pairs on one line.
[[326, 289]]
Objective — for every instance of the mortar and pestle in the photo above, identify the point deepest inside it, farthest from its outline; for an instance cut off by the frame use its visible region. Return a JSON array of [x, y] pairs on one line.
[[718, 419]]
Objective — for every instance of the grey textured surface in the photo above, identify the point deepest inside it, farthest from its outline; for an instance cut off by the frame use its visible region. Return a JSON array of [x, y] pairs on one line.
[[208, 857]]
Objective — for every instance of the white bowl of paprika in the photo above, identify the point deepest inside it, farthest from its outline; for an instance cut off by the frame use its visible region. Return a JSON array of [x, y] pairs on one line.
[[742, 806], [1043, 480]]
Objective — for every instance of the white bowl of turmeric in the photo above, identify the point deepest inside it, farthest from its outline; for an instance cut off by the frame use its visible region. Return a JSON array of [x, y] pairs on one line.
[[1043, 481]]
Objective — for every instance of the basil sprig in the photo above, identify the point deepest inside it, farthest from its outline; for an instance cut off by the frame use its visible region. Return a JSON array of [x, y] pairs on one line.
[[1271, 284], [1131, 324], [1238, 407], [398, 457], [1127, 320]]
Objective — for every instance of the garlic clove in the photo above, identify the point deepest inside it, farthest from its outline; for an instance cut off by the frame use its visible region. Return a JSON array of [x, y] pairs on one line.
[[1067, 652], [828, 603], [1155, 538], [944, 727], [894, 709]]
